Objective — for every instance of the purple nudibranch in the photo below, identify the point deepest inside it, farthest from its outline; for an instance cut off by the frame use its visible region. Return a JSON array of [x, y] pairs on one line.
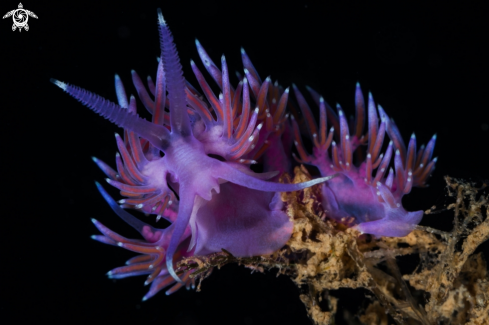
[[191, 165]]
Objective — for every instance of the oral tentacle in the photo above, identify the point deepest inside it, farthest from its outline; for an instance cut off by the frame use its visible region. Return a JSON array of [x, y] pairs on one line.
[[237, 177]]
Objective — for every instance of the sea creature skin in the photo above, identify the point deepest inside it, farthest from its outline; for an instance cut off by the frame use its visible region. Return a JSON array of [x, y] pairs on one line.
[[206, 155], [373, 201]]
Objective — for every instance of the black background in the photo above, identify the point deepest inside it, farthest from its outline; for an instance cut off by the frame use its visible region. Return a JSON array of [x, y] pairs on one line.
[[426, 64]]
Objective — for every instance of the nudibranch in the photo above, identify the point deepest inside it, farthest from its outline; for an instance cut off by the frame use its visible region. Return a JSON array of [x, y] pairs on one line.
[[191, 166], [373, 201]]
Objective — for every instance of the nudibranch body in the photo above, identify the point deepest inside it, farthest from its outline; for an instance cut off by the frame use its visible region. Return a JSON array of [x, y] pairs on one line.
[[191, 166]]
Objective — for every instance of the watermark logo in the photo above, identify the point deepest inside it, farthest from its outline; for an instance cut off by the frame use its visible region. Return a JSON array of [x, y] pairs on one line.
[[20, 17]]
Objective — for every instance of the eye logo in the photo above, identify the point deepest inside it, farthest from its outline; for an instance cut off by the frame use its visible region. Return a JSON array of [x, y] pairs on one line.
[[20, 17]]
